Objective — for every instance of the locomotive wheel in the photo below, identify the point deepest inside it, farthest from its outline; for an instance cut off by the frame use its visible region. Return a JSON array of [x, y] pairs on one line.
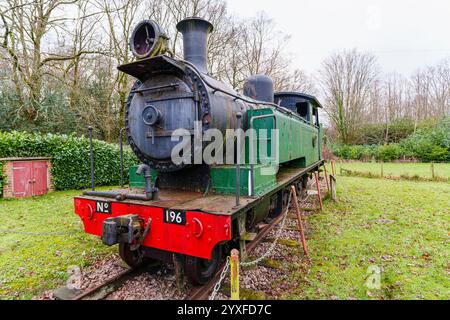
[[286, 198], [304, 187], [298, 189], [133, 258], [199, 270]]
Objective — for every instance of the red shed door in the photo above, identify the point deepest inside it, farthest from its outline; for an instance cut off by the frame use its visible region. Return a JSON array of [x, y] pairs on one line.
[[22, 179], [39, 178]]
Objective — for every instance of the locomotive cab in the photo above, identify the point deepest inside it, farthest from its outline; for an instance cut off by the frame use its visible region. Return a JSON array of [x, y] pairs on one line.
[[305, 105]]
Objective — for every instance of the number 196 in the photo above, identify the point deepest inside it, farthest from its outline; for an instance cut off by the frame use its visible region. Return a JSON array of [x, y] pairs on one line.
[[173, 216]]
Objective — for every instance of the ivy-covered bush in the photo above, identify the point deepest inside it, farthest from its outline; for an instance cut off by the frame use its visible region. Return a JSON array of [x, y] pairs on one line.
[[70, 157]]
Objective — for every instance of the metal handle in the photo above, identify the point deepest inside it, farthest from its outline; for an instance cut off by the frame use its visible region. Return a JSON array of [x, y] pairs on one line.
[[198, 223], [121, 157], [238, 159]]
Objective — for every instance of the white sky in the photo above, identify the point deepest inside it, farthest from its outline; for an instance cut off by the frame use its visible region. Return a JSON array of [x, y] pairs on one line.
[[404, 35]]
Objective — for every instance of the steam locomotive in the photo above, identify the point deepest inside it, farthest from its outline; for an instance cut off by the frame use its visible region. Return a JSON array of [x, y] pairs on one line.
[[192, 212]]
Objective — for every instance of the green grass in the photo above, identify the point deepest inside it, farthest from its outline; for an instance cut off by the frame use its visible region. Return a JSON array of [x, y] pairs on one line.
[[402, 227], [422, 170], [30, 264]]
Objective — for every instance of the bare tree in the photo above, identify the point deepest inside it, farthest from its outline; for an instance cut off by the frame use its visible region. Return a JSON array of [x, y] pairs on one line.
[[73, 48], [439, 76], [297, 81], [347, 79], [395, 87], [24, 26]]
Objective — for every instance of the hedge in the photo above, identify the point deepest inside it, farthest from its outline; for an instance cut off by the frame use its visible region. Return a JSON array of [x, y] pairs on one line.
[[70, 157], [387, 152], [423, 151], [432, 144], [1, 179], [379, 133], [426, 144]]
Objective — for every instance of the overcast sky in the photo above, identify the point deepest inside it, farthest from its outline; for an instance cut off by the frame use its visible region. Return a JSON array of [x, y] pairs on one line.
[[403, 34]]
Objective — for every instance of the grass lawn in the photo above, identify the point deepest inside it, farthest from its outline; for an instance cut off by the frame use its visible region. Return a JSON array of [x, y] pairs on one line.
[[30, 264], [441, 170], [400, 227]]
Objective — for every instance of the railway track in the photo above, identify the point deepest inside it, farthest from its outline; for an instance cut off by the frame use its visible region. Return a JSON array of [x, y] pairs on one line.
[[202, 292], [102, 290], [107, 287]]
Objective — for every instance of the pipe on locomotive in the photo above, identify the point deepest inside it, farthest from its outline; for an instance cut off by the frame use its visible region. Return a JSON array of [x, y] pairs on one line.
[[238, 160], [91, 157], [121, 156], [151, 192], [195, 32]]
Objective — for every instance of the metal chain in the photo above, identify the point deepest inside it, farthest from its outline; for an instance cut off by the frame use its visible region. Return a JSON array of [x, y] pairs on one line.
[[223, 275], [224, 272], [274, 243]]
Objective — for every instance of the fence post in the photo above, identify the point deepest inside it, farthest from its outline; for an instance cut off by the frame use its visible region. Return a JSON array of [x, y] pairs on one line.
[[333, 188], [333, 170], [326, 177], [299, 220], [432, 170], [234, 269], [316, 176]]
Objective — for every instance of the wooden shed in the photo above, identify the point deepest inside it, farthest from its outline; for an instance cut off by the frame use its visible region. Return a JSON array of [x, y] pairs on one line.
[[26, 177]]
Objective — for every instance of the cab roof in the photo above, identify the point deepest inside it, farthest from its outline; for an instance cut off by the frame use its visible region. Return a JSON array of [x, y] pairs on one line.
[[313, 100]]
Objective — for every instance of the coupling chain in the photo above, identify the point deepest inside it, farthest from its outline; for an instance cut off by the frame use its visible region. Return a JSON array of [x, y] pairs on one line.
[[223, 275], [274, 243], [224, 272]]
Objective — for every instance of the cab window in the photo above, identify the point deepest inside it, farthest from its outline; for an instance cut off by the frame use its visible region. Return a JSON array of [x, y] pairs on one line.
[[315, 117], [303, 110]]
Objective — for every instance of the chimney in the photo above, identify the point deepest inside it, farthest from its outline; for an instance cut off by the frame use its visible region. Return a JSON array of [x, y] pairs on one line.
[[195, 32]]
